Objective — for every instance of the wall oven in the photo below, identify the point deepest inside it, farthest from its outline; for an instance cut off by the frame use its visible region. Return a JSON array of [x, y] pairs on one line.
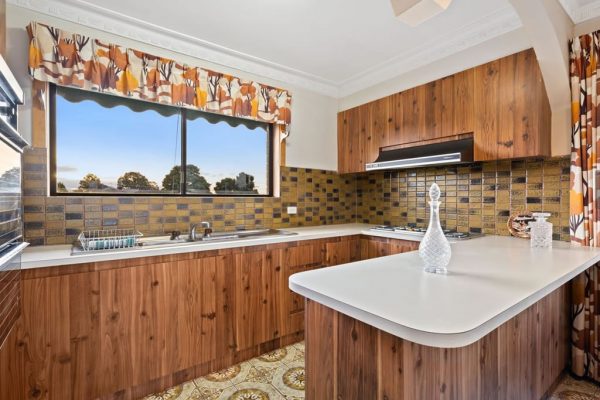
[[11, 225], [11, 149]]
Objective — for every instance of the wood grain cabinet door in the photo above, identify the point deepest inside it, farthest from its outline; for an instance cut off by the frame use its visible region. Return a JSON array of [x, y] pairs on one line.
[[292, 260], [396, 113], [373, 247], [432, 120], [342, 252], [379, 123], [512, 111], [413, 115], [463, 107], [257, 298], [349, 141]]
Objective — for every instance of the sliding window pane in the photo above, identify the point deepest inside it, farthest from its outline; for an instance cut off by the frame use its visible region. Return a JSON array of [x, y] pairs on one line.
[[110, 144], [226, 156]]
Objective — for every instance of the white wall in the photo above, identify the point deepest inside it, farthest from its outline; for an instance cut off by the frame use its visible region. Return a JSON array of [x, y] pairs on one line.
[[313, 140], [588, 26]]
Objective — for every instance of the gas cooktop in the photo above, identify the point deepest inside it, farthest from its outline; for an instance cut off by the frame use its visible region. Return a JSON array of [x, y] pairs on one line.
[[414, 230]]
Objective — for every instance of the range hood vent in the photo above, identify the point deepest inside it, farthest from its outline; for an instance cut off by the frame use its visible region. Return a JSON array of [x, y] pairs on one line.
[[451, 152]]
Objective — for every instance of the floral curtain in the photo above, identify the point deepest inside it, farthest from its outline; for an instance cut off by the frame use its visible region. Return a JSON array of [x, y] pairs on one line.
[[76, 60], [584, 221]]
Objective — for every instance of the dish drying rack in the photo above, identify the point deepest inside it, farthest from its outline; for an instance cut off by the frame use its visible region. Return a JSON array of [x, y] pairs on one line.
[[108, 239]]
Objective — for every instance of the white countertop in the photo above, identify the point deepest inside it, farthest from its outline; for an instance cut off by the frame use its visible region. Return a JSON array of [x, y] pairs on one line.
[[490, 280], [56, 255]]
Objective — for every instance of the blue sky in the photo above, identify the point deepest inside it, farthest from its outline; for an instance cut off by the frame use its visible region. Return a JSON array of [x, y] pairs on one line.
[[111, 141]]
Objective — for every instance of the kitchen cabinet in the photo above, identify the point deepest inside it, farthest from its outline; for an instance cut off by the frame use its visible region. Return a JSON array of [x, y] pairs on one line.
[[521, 359], [462, 106], [126, 328], [350, 138], [512, 109], [502, 104], [376, 129], [413, 116], [372, 247], [342, 252], [257, 298]]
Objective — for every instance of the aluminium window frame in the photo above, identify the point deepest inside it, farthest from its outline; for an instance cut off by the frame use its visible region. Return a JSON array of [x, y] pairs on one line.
[[271, 146]]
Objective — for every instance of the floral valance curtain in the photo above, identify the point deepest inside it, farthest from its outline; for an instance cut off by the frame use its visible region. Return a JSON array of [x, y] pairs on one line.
[[72, 59], [584, 220]]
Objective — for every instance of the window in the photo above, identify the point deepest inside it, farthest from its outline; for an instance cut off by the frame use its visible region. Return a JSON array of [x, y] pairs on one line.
[[104, 144]]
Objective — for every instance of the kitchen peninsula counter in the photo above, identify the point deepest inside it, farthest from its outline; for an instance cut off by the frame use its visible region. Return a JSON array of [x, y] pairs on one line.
[[496, 326]]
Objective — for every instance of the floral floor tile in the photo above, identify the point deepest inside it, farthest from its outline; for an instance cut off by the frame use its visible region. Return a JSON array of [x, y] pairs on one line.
[[186, 391], [275, 357], [289, 380], [169, 394], [573, 389], [208, 389], [253, 391]]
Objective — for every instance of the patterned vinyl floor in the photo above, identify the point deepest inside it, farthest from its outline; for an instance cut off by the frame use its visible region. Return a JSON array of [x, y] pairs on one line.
[[573, 389], [279, 375]]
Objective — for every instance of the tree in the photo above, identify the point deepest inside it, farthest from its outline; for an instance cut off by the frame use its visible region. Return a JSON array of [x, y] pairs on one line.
[[61, 188], [195, 181], [12, 175], [135, 181], [91, 181], [225, 185], [243, 182], [11, 178]]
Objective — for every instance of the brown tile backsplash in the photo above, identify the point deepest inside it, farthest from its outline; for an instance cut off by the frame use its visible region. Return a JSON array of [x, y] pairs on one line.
[[477, 198]]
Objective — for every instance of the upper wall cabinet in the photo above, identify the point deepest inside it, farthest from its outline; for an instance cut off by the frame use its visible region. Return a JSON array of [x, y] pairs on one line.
[[512, 109], [503, 104]]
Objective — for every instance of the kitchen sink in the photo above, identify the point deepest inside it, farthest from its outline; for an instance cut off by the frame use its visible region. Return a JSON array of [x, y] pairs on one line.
[[183, 240], [215, 237]]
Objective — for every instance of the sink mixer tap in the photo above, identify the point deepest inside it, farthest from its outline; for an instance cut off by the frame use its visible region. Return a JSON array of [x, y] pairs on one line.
[[207, 230]]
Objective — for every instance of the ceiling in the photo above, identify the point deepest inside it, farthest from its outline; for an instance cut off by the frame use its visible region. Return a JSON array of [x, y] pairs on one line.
[[581, 10], [336, 47]]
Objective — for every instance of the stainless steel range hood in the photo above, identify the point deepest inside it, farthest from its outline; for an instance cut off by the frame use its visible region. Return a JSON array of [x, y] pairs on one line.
[[451, 152]]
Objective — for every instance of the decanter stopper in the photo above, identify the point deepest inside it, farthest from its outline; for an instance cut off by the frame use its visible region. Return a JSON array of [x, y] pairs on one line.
[[435, 192]]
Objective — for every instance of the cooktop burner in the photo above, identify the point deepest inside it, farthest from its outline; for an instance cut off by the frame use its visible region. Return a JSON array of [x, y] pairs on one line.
[[421, 231]]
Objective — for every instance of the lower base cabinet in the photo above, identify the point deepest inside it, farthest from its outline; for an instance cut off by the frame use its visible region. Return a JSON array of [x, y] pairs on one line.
[[522, 359], [124, 329]]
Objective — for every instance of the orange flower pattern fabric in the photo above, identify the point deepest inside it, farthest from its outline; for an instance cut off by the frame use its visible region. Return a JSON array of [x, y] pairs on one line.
[[584, 221], [71, 59]]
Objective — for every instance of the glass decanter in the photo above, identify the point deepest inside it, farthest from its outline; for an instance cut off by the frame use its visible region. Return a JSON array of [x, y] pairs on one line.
[[435, 248], [540, 231]]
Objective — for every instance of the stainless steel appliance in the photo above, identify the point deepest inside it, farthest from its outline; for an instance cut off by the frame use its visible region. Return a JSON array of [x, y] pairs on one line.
[[451, 152], [420, 232], [11, 225], [11, 149]]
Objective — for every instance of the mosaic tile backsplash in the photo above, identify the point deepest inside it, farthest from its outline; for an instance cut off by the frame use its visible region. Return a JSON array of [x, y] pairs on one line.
[[477, 198]]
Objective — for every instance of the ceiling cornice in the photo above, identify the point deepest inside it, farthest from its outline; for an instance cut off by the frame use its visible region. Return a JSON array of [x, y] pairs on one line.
[[115, 23], [92, 16], [581, 14], [479, 31]]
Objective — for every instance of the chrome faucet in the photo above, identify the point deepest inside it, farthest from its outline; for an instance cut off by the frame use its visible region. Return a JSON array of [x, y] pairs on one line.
[[207, 230]]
